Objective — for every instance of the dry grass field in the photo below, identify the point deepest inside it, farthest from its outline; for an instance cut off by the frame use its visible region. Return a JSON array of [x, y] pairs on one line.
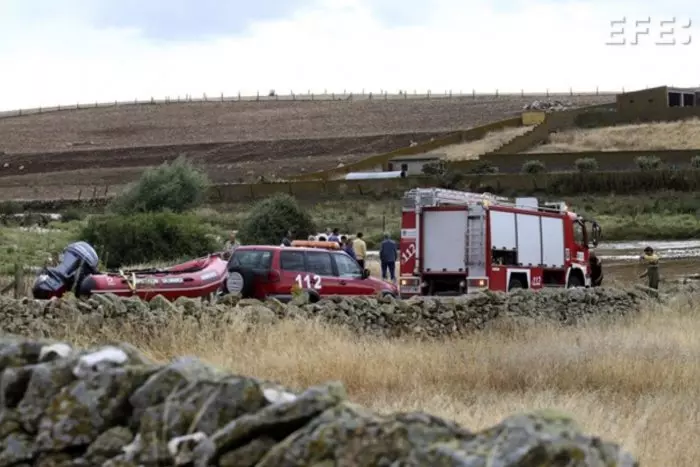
[[176, 124], [633, 381], [473, 149], [649, 136]]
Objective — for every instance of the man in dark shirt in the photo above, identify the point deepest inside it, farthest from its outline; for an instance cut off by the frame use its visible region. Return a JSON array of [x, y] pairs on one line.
[[286, 241], [387, 257]]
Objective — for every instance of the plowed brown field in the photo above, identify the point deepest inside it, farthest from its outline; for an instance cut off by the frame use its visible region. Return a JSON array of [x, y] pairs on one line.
[[234, 141]]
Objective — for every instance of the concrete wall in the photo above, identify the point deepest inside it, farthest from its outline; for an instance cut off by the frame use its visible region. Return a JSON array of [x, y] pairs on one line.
[[533, 117], [569, 183], [643, 101]]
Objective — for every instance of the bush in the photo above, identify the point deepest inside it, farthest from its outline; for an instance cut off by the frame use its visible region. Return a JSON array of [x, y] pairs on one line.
[[586, 164], [143, 238], [11, 207], [175, 187], [435, 169], [695, 162], [271, 218], [533, 167], [445, 175], [484, 168], [72, 214], [648, 162]]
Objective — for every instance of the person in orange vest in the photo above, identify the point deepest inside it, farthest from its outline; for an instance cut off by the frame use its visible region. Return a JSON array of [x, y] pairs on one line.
[[651, 261]]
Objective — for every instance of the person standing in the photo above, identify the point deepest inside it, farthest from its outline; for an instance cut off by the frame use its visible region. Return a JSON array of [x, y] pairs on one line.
[[286, 241], [651, 261], [232, 243], [360, 248], [347, 247], [335, 237], [387, 257]]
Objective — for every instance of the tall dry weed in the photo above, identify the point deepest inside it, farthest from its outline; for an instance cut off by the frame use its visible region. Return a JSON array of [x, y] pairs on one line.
[[631, 380]]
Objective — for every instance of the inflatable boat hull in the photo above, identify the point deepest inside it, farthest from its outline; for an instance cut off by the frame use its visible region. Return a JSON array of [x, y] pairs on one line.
[[202, 277]]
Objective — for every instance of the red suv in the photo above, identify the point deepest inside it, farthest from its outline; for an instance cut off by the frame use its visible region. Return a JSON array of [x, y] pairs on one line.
[[271, 271]]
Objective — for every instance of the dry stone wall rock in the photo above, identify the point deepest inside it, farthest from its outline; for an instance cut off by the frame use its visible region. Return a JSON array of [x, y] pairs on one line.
[[110, 406], [420, 317]]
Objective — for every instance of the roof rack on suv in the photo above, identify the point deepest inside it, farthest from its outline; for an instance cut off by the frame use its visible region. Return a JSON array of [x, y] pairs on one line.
[[316, 244]]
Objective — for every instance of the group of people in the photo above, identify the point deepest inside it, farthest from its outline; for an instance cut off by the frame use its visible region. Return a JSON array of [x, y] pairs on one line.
[[356, 248]]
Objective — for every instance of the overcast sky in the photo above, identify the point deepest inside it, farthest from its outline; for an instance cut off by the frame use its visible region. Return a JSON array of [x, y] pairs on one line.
[[67, 51]]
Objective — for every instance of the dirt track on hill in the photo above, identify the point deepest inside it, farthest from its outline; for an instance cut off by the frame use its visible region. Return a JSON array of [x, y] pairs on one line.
[[233, 141]]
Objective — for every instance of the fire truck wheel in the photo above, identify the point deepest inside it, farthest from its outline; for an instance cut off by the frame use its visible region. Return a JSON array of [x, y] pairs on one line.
[[515, 283]]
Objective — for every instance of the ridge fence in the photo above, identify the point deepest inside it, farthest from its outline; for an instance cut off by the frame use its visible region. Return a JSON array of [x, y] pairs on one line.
[[309, 96]]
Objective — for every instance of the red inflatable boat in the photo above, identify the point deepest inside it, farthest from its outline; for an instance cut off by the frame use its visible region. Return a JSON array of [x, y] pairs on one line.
[[201, 277], [197, 278]]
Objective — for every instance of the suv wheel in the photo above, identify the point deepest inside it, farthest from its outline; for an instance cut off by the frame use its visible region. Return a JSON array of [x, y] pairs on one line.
[[234, 282]]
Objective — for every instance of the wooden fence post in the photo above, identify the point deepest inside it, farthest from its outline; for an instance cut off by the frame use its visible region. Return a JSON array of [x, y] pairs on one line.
[[19, 280]]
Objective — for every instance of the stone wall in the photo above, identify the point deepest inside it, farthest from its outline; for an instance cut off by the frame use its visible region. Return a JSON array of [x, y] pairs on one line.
[[418, 317], [111, 406]]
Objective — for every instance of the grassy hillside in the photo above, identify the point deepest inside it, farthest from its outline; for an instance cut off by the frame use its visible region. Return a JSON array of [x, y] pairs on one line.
[[648, 136]]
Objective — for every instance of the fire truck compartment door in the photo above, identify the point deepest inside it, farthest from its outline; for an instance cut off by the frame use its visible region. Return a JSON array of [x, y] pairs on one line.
[[444, 241], [529, 239], [553, 242], [503, 230]]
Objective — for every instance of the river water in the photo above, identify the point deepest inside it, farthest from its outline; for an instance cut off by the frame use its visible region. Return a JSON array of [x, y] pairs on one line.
[[679, 259]]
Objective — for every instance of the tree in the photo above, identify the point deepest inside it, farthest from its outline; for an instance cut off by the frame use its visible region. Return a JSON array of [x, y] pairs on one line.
[[271, 218], [175, 187]]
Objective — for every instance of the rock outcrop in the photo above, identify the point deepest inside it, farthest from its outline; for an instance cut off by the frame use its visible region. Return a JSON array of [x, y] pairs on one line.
[[550, 106], [419, 317], [113, 407]]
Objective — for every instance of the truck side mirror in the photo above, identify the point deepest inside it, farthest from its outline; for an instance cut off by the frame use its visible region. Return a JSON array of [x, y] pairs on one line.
[[365, 273]]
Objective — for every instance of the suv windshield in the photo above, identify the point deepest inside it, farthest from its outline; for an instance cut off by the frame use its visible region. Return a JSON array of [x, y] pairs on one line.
[[255, 259]]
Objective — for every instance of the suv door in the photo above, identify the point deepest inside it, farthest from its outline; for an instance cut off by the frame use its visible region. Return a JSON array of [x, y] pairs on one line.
[[292, 265], [257, 262], [320, 274], [350, 279]]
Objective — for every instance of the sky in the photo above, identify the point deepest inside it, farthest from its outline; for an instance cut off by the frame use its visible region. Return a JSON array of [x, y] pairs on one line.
[[82, 51]]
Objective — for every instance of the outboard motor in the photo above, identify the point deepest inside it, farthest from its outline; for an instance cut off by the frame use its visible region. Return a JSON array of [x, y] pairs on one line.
[[79, 260]]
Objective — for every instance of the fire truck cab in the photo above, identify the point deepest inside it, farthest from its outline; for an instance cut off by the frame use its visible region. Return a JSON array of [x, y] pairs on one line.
[[455, 242]]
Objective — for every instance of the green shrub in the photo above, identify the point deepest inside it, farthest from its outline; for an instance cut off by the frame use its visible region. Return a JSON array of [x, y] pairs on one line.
[[147, 237], [483, 168], [72, 214], [436, 168], [648, 162], [11, 207], [176, 187], [271, 218], [586, 164], [695, 162], [534, 167]]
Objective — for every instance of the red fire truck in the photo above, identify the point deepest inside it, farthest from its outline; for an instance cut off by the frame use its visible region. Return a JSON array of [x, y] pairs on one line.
[[455, 242]]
